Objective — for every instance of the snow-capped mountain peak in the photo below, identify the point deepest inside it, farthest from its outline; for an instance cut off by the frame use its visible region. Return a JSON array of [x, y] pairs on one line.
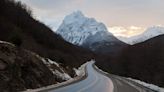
[[76, 28], [77, 17], [154, 31]]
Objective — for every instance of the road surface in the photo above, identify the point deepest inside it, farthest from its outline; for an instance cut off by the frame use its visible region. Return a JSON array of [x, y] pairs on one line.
[[99, 82]]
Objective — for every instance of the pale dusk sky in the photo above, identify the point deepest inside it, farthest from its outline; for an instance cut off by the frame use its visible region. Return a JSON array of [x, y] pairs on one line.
[[122, 17]]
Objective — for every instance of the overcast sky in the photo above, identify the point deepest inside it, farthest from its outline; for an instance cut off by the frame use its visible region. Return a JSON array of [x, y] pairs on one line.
[[122, 17]]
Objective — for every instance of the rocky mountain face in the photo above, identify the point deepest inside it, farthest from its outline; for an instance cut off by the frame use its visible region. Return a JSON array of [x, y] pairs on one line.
[[148, 34], [76, 28], [88, 33], [143, 61]]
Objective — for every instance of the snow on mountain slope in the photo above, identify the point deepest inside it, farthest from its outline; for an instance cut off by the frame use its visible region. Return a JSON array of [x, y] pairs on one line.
[[76, 28], [148, 34], [103, 42]]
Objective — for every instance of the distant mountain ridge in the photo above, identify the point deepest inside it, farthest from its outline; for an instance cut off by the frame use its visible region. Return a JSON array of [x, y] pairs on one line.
[[148, 34]]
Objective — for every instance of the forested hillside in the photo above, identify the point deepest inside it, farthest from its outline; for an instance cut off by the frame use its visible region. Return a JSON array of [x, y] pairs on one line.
[[19, 27], [144, 61]]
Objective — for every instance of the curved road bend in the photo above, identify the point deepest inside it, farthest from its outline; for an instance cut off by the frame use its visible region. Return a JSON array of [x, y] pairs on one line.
[[98, 82], [95, 82]]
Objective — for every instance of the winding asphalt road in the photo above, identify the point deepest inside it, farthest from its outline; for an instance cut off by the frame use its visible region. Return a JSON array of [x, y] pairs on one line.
[[96, 81]]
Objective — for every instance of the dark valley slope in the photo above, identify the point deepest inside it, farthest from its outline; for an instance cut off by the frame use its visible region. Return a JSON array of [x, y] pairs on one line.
[[144, 61], [18, 26]]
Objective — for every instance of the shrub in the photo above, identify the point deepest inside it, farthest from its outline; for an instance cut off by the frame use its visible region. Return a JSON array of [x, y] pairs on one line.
[[16, 39]]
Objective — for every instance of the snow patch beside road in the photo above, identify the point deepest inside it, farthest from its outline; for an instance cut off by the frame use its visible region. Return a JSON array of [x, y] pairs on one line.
[[63, 76], [81, 70], [151, 86], [51, 62], [59, 71]]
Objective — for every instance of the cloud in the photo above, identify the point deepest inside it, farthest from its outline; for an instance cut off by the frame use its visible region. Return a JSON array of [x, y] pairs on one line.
[[126, 31], [141, 13]]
